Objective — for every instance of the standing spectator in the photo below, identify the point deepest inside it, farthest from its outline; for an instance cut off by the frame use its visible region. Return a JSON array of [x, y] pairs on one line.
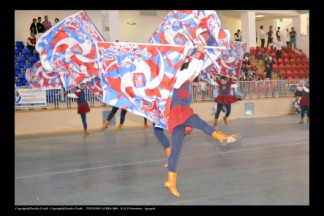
[[47, 24], [31, 42], [270, 33], [278, 34], [33, 26], [83, 107], [238, 35], [111, 115], [304, 102], [57, 20], [292, 35], [262, 36], [287, 38], [40, 27], [278, 46]]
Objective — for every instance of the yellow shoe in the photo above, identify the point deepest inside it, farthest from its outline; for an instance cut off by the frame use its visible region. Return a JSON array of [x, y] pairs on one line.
[[119, 128], [225, 120], [171, 184], [105, 126], [85, 133], [225, 139]]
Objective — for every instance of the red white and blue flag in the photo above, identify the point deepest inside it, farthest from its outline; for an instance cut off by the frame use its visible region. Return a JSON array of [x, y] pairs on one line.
[[140, 77], [230, 61], [187, 27], [68, 48], [38, 77]]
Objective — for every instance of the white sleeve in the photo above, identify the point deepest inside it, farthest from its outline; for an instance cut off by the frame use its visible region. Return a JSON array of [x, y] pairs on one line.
[[212, 82], [183, 75], [234, 86], [306, 89], [72, 95]]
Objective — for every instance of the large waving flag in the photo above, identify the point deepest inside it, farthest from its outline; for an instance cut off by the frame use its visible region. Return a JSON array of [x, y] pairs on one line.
[[230, 61], [187, 27], [68, 48], [140, 77], [38, 77]]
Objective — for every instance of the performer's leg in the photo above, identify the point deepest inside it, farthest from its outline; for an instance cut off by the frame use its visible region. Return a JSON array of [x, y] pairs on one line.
[[110, 116], [228, 112], [159, 133], [302, 114], [196, 122], [85, 126], [145, 123], [112, 113], [122, 119], [177, 141], [218, 110], [307, 110]]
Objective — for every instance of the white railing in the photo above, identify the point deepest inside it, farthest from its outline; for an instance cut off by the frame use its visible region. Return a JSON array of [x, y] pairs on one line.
[[201, 91]]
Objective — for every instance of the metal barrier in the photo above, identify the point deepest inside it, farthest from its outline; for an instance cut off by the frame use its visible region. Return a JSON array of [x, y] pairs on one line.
[[201, 91]]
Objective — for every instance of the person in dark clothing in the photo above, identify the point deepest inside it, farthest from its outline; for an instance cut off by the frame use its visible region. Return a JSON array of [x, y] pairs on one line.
[[83, 107]]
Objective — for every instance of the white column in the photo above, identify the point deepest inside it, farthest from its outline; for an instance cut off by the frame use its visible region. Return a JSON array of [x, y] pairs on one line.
[[248, 29], [110, 25]]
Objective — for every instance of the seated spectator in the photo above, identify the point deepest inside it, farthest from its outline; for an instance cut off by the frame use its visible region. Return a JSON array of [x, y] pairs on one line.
[[268, 60], [268, 71], [31, 42]]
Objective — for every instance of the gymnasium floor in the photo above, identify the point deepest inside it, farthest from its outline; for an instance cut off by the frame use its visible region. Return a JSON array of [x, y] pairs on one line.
[[269, 166]]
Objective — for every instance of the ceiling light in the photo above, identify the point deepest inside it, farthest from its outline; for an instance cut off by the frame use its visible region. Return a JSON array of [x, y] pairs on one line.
[[258, 16]]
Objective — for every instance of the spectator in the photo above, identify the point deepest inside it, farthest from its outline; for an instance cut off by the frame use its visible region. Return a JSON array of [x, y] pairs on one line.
[[47, 24], [268, 71], [278, 46], [238, 35], [31, 42], [278, 34], [292, 35], [57, 20], [270, 32], [287, 38], [33, 26], [262, 36], [40, 27]]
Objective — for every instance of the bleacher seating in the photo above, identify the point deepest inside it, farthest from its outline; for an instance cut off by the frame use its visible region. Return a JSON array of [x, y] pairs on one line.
[[293, 64], [20, 45]]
